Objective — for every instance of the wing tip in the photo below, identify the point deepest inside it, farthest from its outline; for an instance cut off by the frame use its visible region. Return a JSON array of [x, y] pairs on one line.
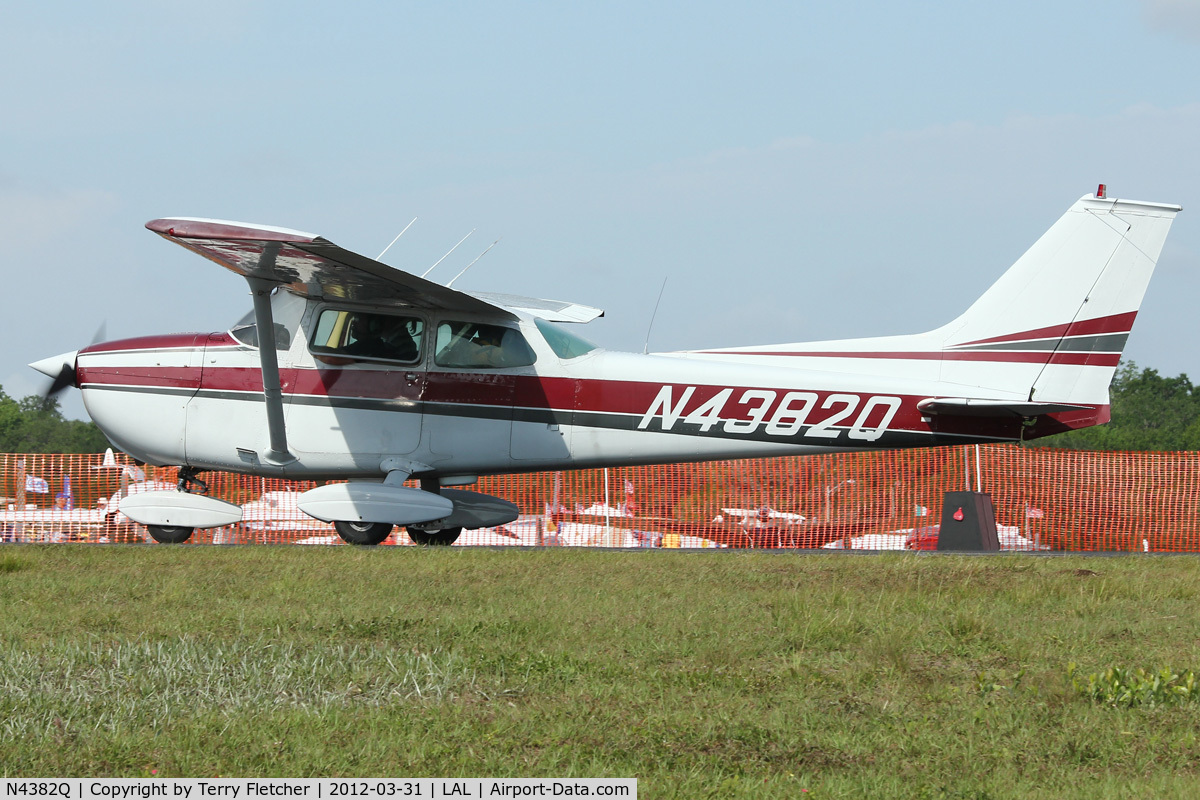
[[202, 228]]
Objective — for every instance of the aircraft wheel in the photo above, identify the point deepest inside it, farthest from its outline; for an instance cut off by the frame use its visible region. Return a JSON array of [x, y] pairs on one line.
[[169, 534], [363, 532], [439, 538]]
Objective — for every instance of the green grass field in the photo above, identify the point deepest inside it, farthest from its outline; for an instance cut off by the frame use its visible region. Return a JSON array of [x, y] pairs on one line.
[[700, 673]]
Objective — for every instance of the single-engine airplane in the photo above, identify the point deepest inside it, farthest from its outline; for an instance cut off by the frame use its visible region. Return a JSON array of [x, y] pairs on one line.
[[351, 370]]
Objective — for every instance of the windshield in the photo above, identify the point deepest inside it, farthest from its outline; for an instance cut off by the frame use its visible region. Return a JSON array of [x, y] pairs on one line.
[[286, 311], [564, 343]]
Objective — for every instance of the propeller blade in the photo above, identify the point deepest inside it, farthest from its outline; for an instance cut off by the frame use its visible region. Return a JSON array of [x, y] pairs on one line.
[[65, 378]]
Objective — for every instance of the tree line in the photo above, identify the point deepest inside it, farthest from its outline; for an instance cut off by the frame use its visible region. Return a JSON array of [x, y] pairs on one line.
[[36, 425], [1149, 412]]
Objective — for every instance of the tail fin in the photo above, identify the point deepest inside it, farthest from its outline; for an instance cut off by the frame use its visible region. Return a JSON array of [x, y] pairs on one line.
[[1064, 310], [1044, 339]]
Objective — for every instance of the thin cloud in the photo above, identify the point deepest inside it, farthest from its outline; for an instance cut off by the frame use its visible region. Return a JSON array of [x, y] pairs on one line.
[[1178, 17], [34, 217]]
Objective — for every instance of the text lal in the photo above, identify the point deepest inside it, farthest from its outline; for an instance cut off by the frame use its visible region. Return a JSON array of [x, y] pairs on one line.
[[499, 789]]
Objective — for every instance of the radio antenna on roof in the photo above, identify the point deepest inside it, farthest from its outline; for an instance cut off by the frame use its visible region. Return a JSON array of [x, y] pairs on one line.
[[448, 252], [468, 266], [653, 314], [398, 235]]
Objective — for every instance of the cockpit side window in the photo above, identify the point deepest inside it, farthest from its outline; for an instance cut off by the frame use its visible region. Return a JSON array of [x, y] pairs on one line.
[[367, 335], [286, 310], [479, 345]]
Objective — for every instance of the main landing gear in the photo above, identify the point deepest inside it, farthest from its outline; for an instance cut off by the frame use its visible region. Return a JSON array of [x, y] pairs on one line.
[[427, 535], [371, 533], [443, 537], [402, 502], [363, 533]]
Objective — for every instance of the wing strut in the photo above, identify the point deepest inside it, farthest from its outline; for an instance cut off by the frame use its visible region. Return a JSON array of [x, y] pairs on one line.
[[260, 290]]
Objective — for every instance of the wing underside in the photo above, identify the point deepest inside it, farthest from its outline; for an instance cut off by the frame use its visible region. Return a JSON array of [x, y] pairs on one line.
[[316, 267]]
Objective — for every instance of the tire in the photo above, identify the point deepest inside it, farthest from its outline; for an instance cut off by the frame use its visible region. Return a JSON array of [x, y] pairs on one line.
[[439, 538], [363, 533], [169, 534]]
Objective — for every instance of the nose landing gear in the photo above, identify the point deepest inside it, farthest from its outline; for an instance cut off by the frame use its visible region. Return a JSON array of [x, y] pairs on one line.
[[178, 534]]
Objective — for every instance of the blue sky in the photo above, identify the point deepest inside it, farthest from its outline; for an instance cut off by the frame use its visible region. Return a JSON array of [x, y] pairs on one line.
[[795, 171]]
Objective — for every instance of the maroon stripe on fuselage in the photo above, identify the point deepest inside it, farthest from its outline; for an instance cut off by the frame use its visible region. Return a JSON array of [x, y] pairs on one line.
[[371, 384], [163, 377], [544, 393]]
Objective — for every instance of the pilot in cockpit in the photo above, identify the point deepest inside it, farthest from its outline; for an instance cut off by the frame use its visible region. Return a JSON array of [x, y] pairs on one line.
[[381, 336]]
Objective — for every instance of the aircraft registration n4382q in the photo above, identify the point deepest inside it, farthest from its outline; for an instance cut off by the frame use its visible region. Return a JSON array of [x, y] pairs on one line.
[[352, 371]]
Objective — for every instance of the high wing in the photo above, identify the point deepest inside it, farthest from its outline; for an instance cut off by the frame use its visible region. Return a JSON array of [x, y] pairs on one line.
[[311, 265], [316, 267]]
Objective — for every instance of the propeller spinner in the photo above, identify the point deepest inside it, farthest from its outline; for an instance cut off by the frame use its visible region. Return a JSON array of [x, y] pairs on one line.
[[61, 371], [61, 368]]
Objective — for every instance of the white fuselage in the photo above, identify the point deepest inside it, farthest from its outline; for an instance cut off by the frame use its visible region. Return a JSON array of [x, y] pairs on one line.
[[197, 399]]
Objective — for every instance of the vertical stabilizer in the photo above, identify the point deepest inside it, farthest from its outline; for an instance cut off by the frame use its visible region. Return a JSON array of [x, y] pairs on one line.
[[1056, 322]]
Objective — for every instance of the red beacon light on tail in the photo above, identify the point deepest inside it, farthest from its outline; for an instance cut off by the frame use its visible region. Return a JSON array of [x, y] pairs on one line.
[[1101, 192]]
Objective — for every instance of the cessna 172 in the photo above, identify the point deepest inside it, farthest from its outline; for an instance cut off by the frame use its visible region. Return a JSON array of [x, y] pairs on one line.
[[351, 370]]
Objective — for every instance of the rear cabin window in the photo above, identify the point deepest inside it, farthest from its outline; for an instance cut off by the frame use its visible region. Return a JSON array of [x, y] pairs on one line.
[[565, 344], [368, 335], [478, 345]]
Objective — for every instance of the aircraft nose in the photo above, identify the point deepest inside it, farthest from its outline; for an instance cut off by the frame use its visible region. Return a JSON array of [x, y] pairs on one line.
[[54, 366]]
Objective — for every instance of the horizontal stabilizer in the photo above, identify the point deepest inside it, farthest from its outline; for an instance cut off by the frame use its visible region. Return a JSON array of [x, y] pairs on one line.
[[977, 407]]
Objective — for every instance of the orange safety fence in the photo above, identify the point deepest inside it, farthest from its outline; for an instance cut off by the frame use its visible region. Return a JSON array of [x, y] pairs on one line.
[[1044, 499]]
